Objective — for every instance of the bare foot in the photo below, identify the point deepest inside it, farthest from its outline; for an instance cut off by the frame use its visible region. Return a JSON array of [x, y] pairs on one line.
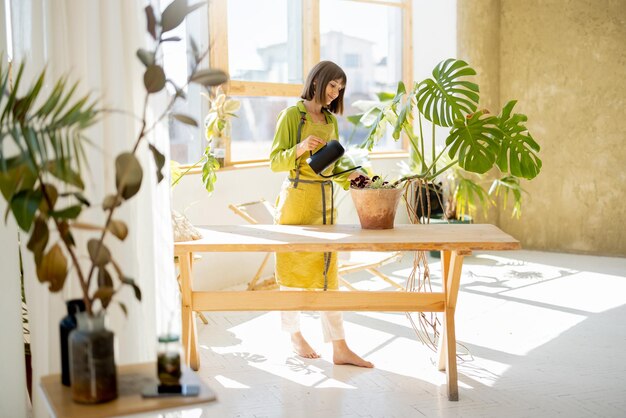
[[343, 355], [302, 347]]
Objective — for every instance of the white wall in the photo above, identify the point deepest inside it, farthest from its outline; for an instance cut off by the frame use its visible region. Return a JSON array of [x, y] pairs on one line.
[[221, 270]]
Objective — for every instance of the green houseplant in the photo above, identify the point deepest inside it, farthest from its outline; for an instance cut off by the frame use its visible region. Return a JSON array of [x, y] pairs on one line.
[[42, 160], [476, 143]]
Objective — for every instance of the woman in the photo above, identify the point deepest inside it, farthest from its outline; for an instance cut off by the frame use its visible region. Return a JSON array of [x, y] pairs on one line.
[[307, 199]]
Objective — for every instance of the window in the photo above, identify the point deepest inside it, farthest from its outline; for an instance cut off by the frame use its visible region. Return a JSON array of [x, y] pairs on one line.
[[268, 50]]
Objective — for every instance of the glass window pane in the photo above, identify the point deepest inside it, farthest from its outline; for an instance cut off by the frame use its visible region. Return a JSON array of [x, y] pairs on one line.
[[265, 42], [368, 46], [186, 142], [253, 128]]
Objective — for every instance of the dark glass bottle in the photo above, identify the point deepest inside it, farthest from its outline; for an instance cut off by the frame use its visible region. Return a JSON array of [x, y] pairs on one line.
[[67, 324]]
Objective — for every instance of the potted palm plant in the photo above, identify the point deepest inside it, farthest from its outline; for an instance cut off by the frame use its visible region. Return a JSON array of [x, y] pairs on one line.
[[41, 178]]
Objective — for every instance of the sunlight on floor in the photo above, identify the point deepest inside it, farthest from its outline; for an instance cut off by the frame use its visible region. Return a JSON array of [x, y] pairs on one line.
[[519, 327]]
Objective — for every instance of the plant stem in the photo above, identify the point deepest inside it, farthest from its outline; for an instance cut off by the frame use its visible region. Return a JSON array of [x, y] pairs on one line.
[[434, 164], [442, 170], [419, 118], [187, 171], [118, 195]]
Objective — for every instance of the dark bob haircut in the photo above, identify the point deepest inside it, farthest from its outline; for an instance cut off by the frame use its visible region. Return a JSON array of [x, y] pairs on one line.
[[323, 73]]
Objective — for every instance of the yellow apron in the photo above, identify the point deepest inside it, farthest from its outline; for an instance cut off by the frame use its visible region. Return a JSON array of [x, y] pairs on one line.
[[307, 199]]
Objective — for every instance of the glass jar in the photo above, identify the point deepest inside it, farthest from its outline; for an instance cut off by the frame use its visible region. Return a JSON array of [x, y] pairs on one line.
[[92, 360], [169, 356]]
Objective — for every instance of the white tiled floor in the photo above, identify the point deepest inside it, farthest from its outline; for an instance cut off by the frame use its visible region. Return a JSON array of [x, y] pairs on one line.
[[542, 335]]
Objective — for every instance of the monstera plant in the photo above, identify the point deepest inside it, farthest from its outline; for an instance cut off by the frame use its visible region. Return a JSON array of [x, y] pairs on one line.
[[477, 141]]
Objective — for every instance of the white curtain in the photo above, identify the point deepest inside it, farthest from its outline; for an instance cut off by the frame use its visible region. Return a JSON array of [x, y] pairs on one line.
[[94, 42]]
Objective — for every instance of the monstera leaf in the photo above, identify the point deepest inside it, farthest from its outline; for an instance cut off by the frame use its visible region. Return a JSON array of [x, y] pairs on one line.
[[518, 148], [475, 142], [446, 98]]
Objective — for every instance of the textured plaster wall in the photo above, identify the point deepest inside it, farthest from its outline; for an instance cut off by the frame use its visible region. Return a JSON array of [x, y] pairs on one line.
[[565, 62]]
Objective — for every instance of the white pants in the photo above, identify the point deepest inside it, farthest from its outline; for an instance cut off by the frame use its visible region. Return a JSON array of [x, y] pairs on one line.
[[332, 321]]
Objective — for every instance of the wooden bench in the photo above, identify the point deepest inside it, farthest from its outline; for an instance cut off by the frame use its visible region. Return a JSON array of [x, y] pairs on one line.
[[453, 240]]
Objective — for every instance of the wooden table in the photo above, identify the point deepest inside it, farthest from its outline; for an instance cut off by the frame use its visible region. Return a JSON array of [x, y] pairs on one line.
[[131, 379], [454, 241]]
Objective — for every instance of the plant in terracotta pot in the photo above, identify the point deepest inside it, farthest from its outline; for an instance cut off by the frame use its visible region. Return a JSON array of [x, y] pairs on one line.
[[476, 141], [375, 200], [42, 160]]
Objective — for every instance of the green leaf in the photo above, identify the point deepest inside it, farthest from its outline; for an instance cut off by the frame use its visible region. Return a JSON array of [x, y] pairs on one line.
[[104, 278], [111, 201], [518, 150], [38, 239], [151, 21], [474, 141], [209, 169], [105, 294], [17, 176], [209, 77], [66, 233], [70, 212], [154, 79], [118, 228], [146, 57], [445, 98], [159, 160], [175, 13], [124, 309], [53, 268], [51, 194], [24, 205], [79, 196], [355, 119], [128, 175], [468, 196], [384, 96], [59, 169], [188, 120], [171, 39], [98, 252], [131, 282], [506, 186]]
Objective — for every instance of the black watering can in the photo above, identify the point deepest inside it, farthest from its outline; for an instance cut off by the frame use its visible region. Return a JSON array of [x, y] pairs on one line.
[[326, 156]]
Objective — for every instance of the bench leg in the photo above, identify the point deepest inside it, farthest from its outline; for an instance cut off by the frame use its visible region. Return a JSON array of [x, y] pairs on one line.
[[190, 339]]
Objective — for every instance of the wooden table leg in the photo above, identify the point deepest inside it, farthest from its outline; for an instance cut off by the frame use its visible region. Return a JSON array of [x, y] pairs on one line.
[[441, 346], [190, 345], [451, 290]]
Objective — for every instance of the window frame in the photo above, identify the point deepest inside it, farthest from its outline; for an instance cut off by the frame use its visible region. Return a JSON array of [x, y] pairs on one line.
[[218, 56]]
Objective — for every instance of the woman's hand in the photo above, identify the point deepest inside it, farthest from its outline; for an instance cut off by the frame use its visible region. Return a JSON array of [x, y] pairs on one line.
[[311, 143]]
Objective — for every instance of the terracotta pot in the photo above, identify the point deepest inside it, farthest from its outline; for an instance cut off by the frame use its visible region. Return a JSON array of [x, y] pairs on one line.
[[376, 207]]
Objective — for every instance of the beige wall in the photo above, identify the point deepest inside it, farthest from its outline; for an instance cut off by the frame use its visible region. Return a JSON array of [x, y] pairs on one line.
[[566, 64]]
